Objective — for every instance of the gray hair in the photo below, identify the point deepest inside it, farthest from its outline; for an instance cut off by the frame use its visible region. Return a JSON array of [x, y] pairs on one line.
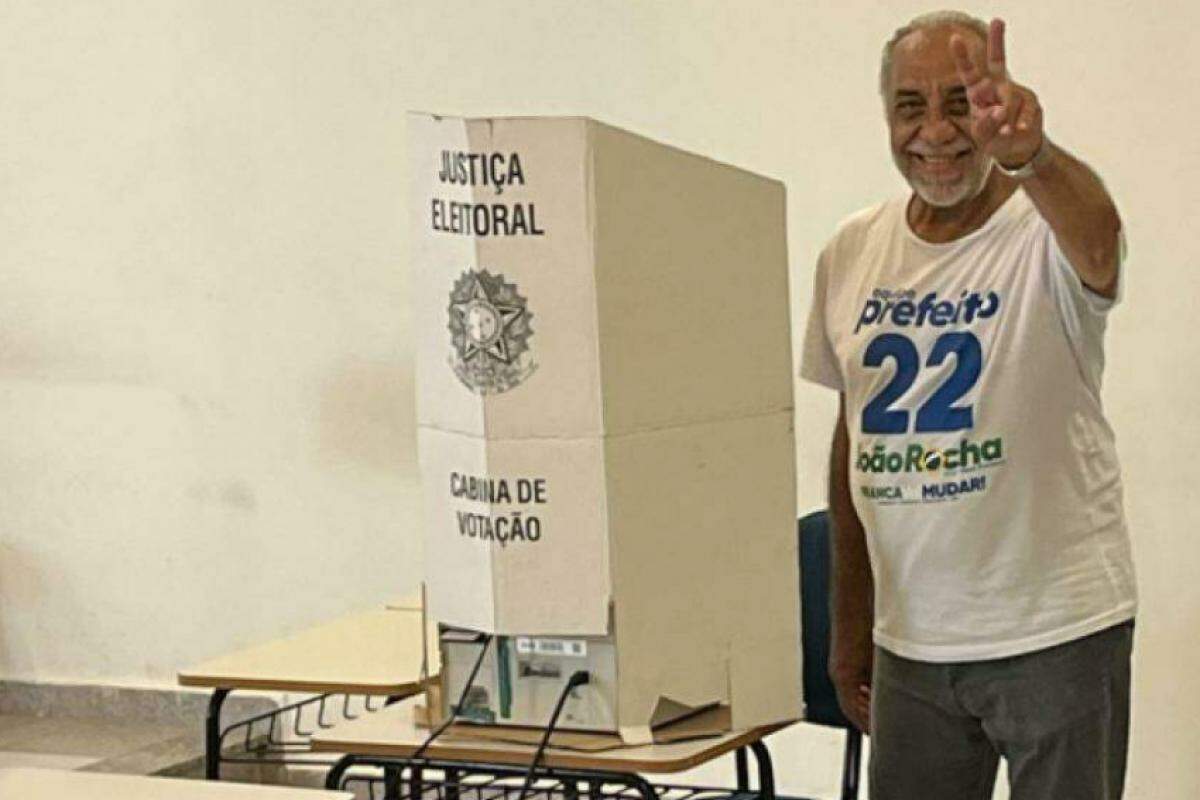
[[933, 19]]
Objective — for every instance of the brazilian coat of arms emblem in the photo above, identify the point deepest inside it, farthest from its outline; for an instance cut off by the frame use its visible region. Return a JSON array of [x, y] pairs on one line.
[[489, 331]]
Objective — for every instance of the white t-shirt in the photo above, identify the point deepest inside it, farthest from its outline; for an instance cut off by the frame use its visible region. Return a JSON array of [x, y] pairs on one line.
[[981, 464]]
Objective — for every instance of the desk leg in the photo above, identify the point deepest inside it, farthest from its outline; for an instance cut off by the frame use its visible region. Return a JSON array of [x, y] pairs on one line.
[[742, 769], [643, 786], [766, 772], [212, 735], [451, 783], [337, 772], [852, 765], [391, 783], [416, 783]]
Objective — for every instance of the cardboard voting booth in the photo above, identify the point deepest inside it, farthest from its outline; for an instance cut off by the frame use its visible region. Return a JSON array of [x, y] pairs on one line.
[[605, 423]]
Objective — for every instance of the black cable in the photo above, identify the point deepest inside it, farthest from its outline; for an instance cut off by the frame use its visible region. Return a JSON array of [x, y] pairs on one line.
[[462, 699], [578, 679]]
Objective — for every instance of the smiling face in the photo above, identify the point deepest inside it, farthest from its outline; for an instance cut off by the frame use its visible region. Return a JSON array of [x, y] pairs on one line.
[[929, 118]]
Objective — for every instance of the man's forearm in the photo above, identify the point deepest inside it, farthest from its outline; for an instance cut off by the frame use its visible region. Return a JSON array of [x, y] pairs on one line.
[[1007, 121], [852, 590], [1072, 199]]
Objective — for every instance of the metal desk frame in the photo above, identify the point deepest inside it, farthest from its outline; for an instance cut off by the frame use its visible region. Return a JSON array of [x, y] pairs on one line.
[[407, 779], [260, 736]]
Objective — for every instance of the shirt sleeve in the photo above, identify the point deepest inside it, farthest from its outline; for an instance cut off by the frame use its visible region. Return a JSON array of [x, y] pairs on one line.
[[1073, 297], [1084, 312], [818, 360]]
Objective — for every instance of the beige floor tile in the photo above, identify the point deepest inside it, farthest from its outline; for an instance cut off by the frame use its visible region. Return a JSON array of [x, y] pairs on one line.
[[11, 758], [98, 738]]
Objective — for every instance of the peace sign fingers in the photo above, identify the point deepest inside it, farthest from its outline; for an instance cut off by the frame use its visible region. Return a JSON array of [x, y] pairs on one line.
[[997, 66], [982, 79]]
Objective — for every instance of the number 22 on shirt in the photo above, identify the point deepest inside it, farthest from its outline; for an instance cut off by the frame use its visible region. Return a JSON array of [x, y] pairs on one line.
[[938, 413]]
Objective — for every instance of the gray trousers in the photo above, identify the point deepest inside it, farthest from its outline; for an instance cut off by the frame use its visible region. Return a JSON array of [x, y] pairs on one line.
[[1059, 716]]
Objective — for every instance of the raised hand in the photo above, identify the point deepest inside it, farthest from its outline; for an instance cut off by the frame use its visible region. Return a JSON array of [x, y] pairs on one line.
[[1006, 118]]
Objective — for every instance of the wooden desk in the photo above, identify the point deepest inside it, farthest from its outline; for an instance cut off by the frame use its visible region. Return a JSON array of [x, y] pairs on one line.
[[53, 784], [376, 653], [392, 732]]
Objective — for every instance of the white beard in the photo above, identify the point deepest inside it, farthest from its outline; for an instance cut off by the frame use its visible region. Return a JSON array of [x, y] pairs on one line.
[[942, 195]]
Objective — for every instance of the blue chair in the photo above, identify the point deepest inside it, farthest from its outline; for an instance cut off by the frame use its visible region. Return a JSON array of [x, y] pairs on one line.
[[819, 693]]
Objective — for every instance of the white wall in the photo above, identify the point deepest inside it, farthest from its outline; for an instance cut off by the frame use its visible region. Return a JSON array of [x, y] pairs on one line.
[[205, 381], [205, 393]]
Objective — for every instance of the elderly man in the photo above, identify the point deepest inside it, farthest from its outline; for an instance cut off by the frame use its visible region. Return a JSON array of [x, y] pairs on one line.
[[984, 592]]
